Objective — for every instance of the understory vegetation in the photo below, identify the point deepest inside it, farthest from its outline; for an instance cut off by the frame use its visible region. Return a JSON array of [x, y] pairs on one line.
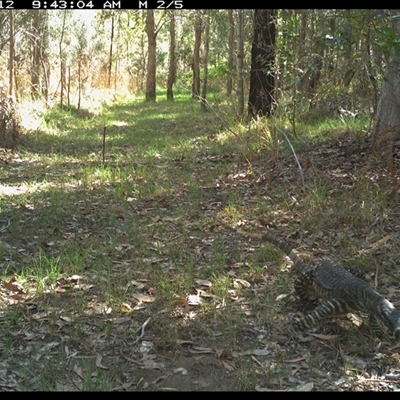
[[117, 272]]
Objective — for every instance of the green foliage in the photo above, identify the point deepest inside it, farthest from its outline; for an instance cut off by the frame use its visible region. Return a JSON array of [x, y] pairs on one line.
[[387, 40]]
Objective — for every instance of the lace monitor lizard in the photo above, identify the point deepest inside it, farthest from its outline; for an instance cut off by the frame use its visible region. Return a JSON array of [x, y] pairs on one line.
[[343, 289]]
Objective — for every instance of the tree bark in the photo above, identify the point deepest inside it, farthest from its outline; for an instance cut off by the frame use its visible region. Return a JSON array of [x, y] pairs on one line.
[[262, 81], [62, 61], [387, 118], [240, 61], [44, 57], [36, 50], [110, 56], [11, 57], [172, 62], [196, 55], [205, 58], [231, 50], [151, 56]]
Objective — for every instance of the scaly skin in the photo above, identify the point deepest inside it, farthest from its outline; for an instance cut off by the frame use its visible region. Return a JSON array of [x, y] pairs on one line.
[[344, 289]]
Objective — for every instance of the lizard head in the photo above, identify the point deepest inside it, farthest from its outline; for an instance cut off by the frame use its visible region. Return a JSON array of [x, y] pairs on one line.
[[396, 332], [390, 317], [394, 317]]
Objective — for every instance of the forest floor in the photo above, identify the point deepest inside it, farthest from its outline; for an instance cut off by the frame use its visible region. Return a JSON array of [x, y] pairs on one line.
[[122, 276]]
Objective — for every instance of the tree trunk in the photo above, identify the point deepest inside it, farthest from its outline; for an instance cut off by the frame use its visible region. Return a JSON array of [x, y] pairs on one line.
[[231, 50], [44, 59], [302, 34], [240, 61], [205, 58], [69, 87], [151, 57], [11, 57], [116, 52], [172, 63], [110, 56], [387, 118], [368, 79], [262, 81], [36, 50], [196, 55], [62, 62], [79, 80], [143, 63]]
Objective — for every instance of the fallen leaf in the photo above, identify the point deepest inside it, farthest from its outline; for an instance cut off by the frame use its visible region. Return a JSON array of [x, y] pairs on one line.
[[151, 364], [182, 301], [203, 282], [16, 297], [74, 278], [258, 388], [154, 260], [61, 387], [293, 360], [65, 318], [181, 370], [39, 316], [194, 300], [182, 342], [239, 265], [48, 244], [307, 387], [199, 349], [227, 366], [294, 371], [242, 282], [202, 293], [121, 320], [13, 286], [99, 357], [324, 337], [255, 352], [396, 346], [78, 370], [281, 297], [144, 298]]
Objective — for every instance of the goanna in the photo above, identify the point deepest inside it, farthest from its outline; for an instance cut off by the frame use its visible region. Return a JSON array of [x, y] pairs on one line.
[[343, 290]]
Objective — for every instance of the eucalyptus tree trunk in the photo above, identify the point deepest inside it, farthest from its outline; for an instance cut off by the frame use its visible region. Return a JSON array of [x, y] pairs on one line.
[[303, 32], [231, 50], [387, 118], [262, 80], [205, 58], [369, 82], [151, 56], [240, 61], [172, 61], [152, 30], [11, 56], [110, 54], [62, 61], [313, 73], [36, 50], [196, 55], [45, 56]]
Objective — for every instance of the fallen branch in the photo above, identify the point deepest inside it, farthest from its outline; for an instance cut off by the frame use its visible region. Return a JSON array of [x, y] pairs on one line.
[[295, 156], [5, 227], [142, 330]]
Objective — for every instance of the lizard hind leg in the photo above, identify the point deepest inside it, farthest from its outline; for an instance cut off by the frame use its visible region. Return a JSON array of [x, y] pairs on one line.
[[304, 285], [326, 309]]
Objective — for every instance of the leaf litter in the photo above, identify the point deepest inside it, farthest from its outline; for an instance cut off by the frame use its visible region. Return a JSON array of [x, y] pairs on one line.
[[218, 330]]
